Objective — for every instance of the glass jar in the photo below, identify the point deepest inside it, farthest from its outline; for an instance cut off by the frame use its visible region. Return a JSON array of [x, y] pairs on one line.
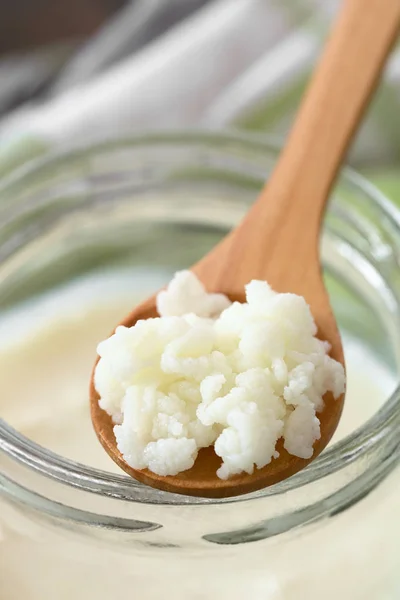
[[71, 526]]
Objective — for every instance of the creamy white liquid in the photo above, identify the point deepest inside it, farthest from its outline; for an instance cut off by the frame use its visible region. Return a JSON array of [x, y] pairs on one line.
[[47, 351]]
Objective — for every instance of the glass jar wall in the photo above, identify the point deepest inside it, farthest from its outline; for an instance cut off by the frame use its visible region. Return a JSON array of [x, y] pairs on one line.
[[83, 236]]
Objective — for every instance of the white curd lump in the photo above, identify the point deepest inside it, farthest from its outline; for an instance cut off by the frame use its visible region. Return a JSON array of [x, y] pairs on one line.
[[208, 371]]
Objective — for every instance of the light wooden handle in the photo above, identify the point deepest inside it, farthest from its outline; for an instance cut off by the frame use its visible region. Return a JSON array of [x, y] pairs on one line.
[[278, 239], [333, 106]]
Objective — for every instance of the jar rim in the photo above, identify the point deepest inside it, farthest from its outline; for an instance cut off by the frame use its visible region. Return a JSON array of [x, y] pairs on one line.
[[89, 479]]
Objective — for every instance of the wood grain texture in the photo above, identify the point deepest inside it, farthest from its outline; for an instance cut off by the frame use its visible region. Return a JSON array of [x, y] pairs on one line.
[[278, 240]]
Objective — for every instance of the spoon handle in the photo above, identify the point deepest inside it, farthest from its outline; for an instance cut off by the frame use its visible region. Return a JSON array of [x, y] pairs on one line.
[[332, 108], [278, 240]]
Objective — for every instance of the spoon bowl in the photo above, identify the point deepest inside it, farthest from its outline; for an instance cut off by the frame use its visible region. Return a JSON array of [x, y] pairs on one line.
[[201, 479]]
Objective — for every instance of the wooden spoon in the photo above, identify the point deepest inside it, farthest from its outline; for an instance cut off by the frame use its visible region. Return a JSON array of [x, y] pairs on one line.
[[278, 240]]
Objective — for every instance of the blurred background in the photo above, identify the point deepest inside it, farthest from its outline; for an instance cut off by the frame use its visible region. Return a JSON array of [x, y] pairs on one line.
[[73, 71]]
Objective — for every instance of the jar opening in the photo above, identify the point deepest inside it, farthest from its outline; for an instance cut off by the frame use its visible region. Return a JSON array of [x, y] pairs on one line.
[[162, 200]]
